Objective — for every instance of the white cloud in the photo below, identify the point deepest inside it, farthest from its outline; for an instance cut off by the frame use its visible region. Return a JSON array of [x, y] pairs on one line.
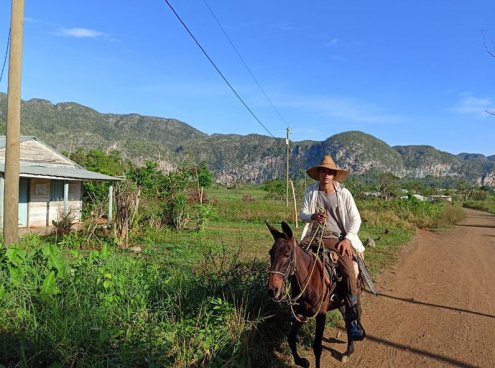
[[32, 20], [474, 106], [283, 26], [59, 30], [332, 42], [348, 110], [81, 33]]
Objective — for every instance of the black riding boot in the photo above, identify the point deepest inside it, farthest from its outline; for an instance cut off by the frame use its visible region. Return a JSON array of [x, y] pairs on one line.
[[354, 328]]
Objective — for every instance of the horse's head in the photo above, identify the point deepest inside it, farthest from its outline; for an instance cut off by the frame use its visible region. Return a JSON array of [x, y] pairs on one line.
[[282, 260]]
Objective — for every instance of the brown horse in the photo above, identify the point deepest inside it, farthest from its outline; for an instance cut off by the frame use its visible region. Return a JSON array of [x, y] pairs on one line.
[[310, 294]]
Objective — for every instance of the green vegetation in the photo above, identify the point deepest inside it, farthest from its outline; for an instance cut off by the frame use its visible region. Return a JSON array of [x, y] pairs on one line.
[[233, 158], [487, 205], [409, 214], [276, 188], [482, 199], [195, 297], [111, 163], [110, 308]]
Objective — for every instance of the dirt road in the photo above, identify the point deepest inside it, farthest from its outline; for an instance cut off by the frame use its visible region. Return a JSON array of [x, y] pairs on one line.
[[436, 308]]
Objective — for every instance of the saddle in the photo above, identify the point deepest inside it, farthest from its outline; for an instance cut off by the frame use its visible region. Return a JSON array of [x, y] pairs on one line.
[[328, 258], [326, 254]]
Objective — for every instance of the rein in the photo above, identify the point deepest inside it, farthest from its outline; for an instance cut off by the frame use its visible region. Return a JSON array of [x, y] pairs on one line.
[[291, 271]]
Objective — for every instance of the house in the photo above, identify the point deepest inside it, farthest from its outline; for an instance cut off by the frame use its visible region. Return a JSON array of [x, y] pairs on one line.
[[371, 194], [440, 198], [419, 197], [50, 184]]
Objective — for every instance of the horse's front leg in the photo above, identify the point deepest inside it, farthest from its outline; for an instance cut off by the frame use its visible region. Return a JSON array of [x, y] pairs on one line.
[[317, 347], [292, 339]]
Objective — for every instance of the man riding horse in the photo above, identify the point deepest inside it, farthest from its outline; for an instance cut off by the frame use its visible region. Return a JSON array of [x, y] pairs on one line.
[[332, 217]]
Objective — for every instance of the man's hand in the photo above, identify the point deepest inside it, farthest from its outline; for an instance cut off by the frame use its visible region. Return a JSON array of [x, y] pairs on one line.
[[320, 217], [344, 247]]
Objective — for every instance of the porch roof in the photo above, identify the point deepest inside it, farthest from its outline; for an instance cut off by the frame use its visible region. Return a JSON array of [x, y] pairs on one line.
[[60, 173]]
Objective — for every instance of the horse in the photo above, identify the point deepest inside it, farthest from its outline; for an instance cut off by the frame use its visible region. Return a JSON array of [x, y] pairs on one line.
[[311, 294]]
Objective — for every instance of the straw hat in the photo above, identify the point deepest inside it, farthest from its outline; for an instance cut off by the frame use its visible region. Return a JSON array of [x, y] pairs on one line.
[[327, 163]]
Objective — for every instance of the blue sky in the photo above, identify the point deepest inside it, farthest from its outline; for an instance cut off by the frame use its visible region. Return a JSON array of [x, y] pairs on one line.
[[414, 72]]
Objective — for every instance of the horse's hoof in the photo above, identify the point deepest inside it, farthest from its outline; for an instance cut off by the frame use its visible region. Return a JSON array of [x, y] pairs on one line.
[[303, 362], [344, 358]]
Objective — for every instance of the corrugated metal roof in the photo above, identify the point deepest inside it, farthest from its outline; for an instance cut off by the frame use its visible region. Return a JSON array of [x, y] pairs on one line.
[[60, 173], [24, 138], [72, 171]]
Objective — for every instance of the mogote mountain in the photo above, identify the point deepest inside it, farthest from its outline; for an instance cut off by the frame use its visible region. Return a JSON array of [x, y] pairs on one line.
[[234, 158]]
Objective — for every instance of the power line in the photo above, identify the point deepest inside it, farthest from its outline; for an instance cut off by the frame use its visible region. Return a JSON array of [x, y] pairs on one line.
[[6, 54], [216, 68], [244, 62]]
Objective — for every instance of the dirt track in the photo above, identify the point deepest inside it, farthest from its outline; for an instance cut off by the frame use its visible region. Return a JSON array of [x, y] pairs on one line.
[[436, 308]]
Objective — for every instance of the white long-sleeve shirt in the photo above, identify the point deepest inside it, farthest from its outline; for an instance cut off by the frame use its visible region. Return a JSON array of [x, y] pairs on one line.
[[351, 220]]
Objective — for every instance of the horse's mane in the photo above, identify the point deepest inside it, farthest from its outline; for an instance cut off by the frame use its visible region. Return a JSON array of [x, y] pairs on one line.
[[319, 262]]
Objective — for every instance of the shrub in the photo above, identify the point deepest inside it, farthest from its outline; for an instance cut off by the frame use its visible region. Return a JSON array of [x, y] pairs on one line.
[[64, 222], [248, 198], [450, 215], [202, 214], [275, 188]]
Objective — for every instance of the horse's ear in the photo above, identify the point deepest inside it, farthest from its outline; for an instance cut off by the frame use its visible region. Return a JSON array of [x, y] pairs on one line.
[[275, 233], [287, 230]]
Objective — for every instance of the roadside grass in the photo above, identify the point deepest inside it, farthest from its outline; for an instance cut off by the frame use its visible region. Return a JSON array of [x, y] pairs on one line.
[[448, 216], [246, 192], [388, 244], [487, 205], [188, 299]]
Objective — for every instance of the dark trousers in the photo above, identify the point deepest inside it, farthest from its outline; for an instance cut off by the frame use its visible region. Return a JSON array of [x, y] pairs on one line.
[[343, 262]]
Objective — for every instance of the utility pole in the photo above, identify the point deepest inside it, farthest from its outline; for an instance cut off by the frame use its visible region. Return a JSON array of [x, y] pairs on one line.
[[287, 169], [12, 151]]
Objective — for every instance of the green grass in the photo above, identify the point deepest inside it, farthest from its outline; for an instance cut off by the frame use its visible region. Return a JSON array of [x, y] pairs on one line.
[[189, 299], [237, 193], [388, 244], [487, 205]]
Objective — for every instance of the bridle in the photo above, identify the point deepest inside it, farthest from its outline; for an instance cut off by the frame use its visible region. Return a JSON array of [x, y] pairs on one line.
[[291, 271]]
